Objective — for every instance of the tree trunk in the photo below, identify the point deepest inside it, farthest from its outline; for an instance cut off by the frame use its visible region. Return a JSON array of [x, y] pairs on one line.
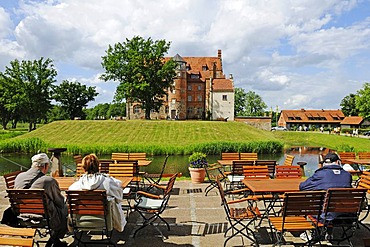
[[147, 114], [30, 127]]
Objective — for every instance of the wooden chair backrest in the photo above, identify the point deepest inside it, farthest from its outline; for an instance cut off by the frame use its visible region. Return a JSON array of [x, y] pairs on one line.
[[29, 201], [13, 236], [256, 172], [302, 203], [87, 202], [237, 166], [137, 156], [77, 158], [230, 156], [79, 170], [10, 178], [248, 156], [119, 156], [347, 155], [364, 155], [344, 200], [364, 181], [288, 172], [271, 164], [104, 165], [289, 160], [124, 168]]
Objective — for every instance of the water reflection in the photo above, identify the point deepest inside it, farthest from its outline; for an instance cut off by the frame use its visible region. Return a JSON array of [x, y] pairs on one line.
[[176, 163]]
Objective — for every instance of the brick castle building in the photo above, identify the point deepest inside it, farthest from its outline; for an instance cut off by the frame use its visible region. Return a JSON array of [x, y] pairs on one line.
[[200, 91]]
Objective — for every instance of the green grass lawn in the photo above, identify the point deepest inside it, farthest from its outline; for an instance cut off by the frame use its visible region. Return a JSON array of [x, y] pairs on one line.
[[177, 136]]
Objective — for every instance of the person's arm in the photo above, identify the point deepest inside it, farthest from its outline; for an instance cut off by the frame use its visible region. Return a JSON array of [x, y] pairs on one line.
[[312, 182], [52, 189]]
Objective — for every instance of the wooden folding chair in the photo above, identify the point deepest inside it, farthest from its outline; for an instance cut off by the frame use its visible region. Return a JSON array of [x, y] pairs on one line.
[[12, 236], [126, 168], [288, 172], [137, 156], [236, 175], [104, 165], [10, 178], [344, 156], [77, 159], [364, 183], [345, 204], [119, 156], [155, 178], [256, 172], [230, 156], [271, 164], [213, 173], [239, 218], [288, 160], [31, 207], [248, 156], [89, 212], [79, 170], [297, 208], [364, 155], [151, 206]]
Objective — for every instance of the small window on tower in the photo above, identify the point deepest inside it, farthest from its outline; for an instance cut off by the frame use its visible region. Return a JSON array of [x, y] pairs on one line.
[[224, 97]]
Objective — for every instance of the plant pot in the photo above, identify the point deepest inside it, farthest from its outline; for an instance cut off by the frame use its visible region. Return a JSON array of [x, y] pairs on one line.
[[197, 175]]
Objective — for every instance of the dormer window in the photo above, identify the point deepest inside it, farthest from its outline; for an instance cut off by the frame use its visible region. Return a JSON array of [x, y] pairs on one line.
[[194, 76], [204, 67], [188, 67]]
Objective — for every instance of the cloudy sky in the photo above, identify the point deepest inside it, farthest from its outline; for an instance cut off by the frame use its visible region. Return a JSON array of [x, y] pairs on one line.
[[294, 54]]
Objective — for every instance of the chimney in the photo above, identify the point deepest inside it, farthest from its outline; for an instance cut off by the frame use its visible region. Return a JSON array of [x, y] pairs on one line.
[[219, 54], [231, 77]]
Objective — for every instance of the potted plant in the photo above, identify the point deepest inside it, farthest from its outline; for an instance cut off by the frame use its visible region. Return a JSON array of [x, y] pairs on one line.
[[197, 164]]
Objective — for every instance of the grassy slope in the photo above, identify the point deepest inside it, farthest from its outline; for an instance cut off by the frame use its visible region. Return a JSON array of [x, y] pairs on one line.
[[146, 132], [180, 133]]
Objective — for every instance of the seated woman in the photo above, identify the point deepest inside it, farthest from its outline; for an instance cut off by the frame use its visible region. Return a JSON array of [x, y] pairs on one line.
[[93, 180]]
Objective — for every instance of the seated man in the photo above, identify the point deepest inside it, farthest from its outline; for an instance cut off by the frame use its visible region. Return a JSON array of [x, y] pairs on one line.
[[35, 178], [331, 175]]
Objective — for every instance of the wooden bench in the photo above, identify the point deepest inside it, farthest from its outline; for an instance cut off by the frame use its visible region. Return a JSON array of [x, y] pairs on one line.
[[12, 236], [288, 172]]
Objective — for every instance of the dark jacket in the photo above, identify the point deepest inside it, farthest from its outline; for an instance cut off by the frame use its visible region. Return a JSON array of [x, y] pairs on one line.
[[329, 176]]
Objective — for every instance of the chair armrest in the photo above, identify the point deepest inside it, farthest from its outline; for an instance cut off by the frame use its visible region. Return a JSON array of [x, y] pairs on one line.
[[158, 186], [238, 191], [143, 193], [241, 200]]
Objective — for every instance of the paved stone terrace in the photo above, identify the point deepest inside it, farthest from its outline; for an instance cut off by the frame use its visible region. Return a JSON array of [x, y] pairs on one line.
[[195, 220]]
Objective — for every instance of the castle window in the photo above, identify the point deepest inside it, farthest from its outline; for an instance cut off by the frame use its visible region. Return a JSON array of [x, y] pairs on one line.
[[199, 97], [194, 76], [189, 87], [224, 97], [137, 109], [199, 87], [189, 98]]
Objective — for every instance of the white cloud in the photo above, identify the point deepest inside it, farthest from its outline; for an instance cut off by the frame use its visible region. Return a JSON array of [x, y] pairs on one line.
[[287, 51]]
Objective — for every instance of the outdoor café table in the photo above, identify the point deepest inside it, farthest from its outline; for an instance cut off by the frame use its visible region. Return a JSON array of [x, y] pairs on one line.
[[272, 187], [144, 162], [65, 182]]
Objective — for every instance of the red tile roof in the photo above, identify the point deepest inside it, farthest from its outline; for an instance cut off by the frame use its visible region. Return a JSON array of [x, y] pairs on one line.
[[352, 120], [299, 116], [224, 85]]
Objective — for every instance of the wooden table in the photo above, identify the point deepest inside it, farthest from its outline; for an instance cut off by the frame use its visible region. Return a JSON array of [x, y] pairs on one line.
[[144, 162], [273, 185], [357, 161], [225, 162], [65, 182]]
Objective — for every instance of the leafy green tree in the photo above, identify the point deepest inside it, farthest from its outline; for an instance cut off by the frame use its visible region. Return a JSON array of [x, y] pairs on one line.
[[57, 113], [117, 110], [255, 106], [73, 97], [239, 102], [363, 101], [348, 105], [248, 104], [28, 84], [139, 66]]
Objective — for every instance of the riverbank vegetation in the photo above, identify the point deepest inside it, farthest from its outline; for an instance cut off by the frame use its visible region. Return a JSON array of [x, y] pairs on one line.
[[170, 137]]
